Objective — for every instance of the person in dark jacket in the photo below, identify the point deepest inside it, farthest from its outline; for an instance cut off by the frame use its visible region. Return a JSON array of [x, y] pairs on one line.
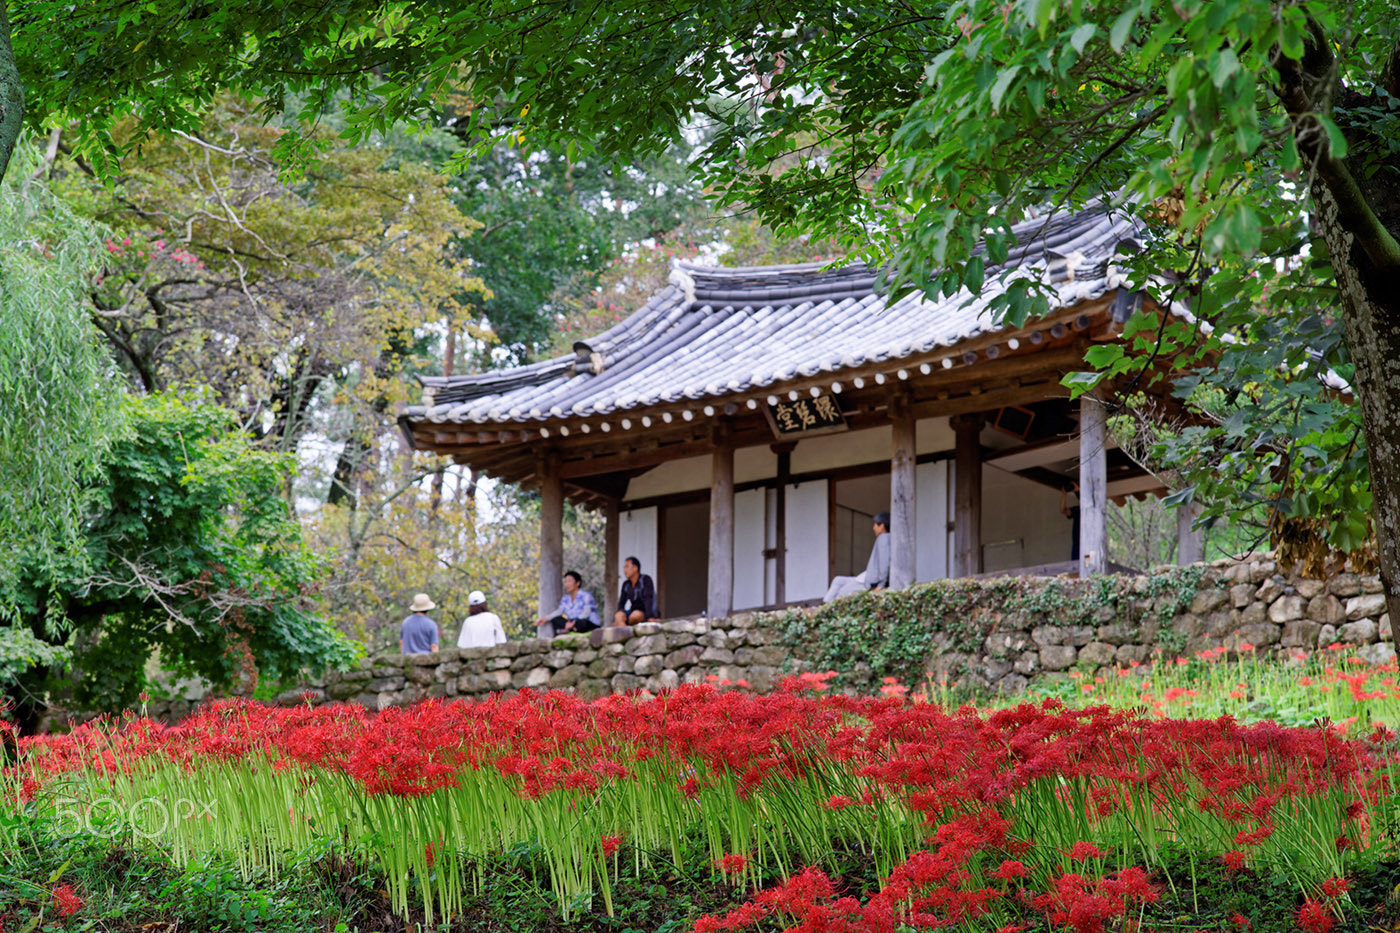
[[637, 601]]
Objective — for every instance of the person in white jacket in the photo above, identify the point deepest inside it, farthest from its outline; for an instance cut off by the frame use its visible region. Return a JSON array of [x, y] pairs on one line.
[[481, 627]]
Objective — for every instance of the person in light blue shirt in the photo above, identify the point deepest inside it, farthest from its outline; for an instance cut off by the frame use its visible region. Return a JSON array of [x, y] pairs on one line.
[[876, 575], [419, 634], [577, 611]]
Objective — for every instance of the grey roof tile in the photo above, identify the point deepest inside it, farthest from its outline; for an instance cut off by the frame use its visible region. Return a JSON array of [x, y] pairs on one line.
[[717, 331]]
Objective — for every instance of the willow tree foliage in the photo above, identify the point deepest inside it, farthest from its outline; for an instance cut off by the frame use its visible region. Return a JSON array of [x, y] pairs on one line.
[[59, 405]]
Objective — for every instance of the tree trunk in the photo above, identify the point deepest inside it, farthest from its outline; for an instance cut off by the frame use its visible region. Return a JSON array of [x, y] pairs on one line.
[[11, 94], [1371, 299]]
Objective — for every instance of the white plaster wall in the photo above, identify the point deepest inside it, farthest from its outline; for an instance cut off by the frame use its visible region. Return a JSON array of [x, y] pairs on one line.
[[636, 537], [1021, 522], [674, 476], [931, 514], [806, 567], [750, 532]]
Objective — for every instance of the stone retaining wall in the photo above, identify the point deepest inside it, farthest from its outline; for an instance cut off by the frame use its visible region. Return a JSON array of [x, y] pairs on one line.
[[1234, 605]]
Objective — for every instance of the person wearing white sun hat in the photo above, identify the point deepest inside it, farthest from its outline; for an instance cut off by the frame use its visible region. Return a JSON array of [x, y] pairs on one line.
[[481, 627], [419, 634]]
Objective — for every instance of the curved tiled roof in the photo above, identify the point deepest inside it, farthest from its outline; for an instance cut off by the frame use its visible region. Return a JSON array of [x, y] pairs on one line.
[[721, 331]]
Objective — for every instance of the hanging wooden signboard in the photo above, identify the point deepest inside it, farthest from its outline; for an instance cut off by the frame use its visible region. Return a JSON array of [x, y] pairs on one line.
[[805, 416]]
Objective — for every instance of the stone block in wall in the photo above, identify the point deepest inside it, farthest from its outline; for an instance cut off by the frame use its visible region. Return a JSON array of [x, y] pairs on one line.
[[1105, 614], [1081, 635], [592, 689], [1208, 600], [535, 677], [1127, 654], [380, 671], [477, 653], [1220, 624], [737, 637], [755, 636], [608, 635], [1254, 613], [949, 666], [770, 655], [1270, 590], [1367, 605], [1287, 609], [557, 659], [654, 643], [648, 665], [1380, 653], [420, 675], [602, 667], [647, 628], [343, 691], [1189, 626], [1015, 621], [686, 627], [612, 651], [762, 678], [586, 656], [1327, 635], [1326, 609], [499, 664], [1242, 594], [996, 670], [1344, 584], [741, 620], [1119, 633], [445, 673], [717, 656], [1012, 684], [714, 639], [567, 676], [621, 683], [425, 659], [1383, 628], [496, 680], [1309, 589], [1371, 583], [684, 657], [625, 663], [1057, 657], [1261, 570], [663, 680], [385, 683], [679, 639], [1300, 633], [1259, 636], [1027, 663], [1003, 644], [1359, 632], [1097, 654], [512, 648], [526, 661], [1045, 635], [440, 691], [569, 641], [369, 701]]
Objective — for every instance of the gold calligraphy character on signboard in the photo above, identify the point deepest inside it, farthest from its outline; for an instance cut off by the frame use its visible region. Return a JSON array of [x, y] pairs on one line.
[[827, 410], [784, 414], [805, 414]]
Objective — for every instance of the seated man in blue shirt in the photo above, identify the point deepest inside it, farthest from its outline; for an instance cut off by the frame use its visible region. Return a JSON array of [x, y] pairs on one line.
[[637, 601], [577, 612], [876, 575], [419, 634]]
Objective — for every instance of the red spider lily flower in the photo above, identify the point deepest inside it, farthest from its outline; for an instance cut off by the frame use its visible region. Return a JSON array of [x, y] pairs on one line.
[[1083, 851], [1344, 842], [611, 844], [1245, 647], [66, 902], [430, 853], [1313, 917], [1233, 860], [1335, 887], [732, 864], [1240, 921], [838, 802], [1010, 869]]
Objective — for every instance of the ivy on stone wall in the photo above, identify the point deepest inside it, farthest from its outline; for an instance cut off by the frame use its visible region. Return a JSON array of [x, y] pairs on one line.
[[900, 633]]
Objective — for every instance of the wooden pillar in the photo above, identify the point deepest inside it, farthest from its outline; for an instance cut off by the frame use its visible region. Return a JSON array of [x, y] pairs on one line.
[[784, 452], [551, 533], [1093, 487], [1190, 544], [904, 533], [721, 589], [610, 560], [967, 495]]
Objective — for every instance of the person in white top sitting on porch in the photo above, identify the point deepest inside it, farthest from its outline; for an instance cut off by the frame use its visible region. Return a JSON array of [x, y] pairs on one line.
[[481, 627], [876, 575]]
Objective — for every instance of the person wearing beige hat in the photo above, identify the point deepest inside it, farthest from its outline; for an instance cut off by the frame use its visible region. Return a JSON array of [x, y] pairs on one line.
[[481, 627], [419, 634]]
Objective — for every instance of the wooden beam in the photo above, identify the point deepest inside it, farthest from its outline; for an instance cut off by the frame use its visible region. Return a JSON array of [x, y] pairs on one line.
[[720, 600], [611, 533], [967, 496], [551, 532], [903, 528], [1093, 487]]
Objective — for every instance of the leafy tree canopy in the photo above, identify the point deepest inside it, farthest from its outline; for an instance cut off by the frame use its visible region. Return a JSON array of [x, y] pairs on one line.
[[191, 551]]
